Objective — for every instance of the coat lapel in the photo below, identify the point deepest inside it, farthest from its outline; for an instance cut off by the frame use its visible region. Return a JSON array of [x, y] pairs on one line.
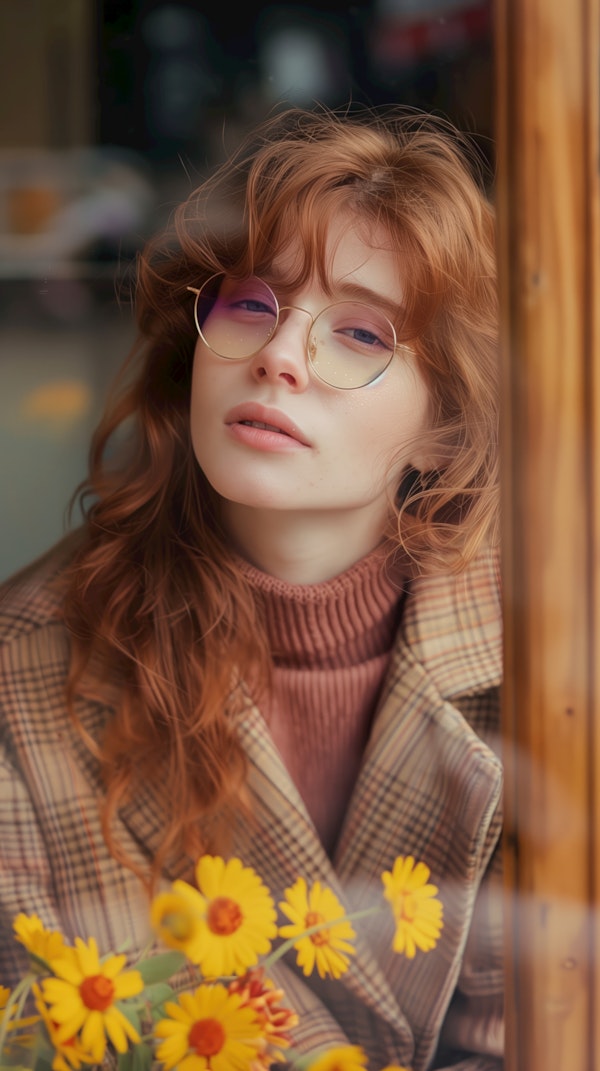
[[430, 788], [284, 846]]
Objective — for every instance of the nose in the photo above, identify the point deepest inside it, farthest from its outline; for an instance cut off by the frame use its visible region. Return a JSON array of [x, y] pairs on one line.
[[284, 356]]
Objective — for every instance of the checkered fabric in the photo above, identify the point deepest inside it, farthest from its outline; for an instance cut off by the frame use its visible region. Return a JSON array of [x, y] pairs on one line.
[[429, 786]]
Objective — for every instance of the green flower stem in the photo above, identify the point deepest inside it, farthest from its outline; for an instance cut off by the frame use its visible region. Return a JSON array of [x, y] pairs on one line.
[[308, 932], [21, 1004], [16, 1000], [300, 1061], [144, 953]]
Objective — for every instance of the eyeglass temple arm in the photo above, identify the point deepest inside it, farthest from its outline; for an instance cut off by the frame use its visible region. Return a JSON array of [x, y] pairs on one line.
[[193, 290]]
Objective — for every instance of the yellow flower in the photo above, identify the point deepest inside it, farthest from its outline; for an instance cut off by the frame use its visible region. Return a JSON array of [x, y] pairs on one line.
[[226, 925], [43, 943], [417, 912], [328, 948], [84, 995], [395, 1067], [341, 1058], [178, 918], [68, 1054], [208, 1029]]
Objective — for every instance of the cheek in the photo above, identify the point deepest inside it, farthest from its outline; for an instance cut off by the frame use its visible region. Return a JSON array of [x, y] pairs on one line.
[[209, 380], [399, 419], [200, 408], [195, 406]]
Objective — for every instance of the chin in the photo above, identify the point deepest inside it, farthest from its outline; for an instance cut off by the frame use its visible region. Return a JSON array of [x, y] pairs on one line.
[[245, 493]]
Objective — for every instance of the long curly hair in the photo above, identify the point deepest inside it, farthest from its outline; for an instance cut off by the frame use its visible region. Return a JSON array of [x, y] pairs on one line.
[[155, 597]]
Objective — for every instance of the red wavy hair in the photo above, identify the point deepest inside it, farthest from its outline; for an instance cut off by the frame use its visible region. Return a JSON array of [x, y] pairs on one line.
[[154, 596]]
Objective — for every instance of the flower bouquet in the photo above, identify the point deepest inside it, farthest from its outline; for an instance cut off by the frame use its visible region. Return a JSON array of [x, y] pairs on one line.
[[85, 1007]]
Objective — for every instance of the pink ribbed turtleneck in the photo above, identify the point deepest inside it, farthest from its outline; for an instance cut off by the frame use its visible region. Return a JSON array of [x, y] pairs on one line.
[[330, 644]]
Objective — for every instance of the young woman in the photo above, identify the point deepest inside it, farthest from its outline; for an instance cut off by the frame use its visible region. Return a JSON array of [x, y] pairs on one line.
[[277, 632]]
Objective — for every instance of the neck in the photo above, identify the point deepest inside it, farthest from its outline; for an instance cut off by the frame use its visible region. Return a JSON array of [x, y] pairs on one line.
[[301, 548]]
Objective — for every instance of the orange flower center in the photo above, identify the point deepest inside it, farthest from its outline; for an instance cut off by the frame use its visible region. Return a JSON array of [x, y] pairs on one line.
[[207, 1037], [179, 925], [323, 937], [97, 992], [408, 907], [224, 916]]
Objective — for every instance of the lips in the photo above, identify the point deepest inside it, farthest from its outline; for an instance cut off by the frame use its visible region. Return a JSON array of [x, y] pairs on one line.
[[259, 424], [260, 416]]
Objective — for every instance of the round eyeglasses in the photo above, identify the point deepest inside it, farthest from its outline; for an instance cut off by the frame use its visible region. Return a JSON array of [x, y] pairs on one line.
[[349, 343]]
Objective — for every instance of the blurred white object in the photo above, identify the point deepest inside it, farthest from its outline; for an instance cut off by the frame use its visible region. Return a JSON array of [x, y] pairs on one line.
[[57, 207]]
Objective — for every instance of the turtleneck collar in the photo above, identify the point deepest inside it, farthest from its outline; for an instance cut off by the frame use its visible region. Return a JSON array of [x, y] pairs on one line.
[[338, 622]]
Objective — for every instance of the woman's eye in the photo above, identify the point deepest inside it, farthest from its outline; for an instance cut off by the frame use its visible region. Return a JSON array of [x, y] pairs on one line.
[[252, 305], [363, 336]]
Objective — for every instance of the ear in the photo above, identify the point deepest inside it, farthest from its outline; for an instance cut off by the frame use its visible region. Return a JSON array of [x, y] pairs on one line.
[[430, 453], [422, 461]]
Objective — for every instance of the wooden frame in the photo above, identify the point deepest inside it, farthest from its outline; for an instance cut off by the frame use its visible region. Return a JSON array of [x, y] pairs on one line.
[[548, 145]]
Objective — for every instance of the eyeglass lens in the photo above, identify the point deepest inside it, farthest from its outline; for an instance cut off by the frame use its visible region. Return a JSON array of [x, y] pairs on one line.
[[350, 343]]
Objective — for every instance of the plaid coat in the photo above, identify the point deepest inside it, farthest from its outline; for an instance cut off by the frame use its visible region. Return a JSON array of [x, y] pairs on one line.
[[430, 786]]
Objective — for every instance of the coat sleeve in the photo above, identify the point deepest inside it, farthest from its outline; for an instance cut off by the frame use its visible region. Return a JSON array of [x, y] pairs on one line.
[[25, 869]]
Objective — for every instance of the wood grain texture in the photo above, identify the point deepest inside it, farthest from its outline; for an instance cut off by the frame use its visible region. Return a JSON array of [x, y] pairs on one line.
[[547, 71]]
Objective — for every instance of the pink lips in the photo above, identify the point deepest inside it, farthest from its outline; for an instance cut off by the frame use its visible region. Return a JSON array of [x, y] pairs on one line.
[[253, 415]]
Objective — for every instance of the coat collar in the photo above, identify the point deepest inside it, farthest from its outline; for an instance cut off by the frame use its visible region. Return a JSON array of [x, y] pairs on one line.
[[453, 624]]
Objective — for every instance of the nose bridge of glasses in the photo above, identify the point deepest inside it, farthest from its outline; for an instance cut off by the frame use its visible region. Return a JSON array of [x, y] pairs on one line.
[[282, 318], [296, 308]]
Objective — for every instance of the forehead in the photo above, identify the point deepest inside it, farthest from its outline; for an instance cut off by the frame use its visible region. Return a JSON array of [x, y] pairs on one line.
[[352, 257]]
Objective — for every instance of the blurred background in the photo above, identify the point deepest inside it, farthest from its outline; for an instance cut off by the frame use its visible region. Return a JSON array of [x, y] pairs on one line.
[[112, 111]]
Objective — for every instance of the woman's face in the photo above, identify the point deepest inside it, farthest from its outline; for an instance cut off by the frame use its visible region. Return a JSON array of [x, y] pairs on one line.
[[337, 451]]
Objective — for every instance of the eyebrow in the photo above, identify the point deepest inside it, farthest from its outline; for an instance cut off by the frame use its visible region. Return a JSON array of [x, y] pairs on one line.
[[348, 291]]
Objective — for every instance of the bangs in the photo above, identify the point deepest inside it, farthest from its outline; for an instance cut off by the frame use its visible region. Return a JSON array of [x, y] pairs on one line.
[[295, 233], [292, 232]]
